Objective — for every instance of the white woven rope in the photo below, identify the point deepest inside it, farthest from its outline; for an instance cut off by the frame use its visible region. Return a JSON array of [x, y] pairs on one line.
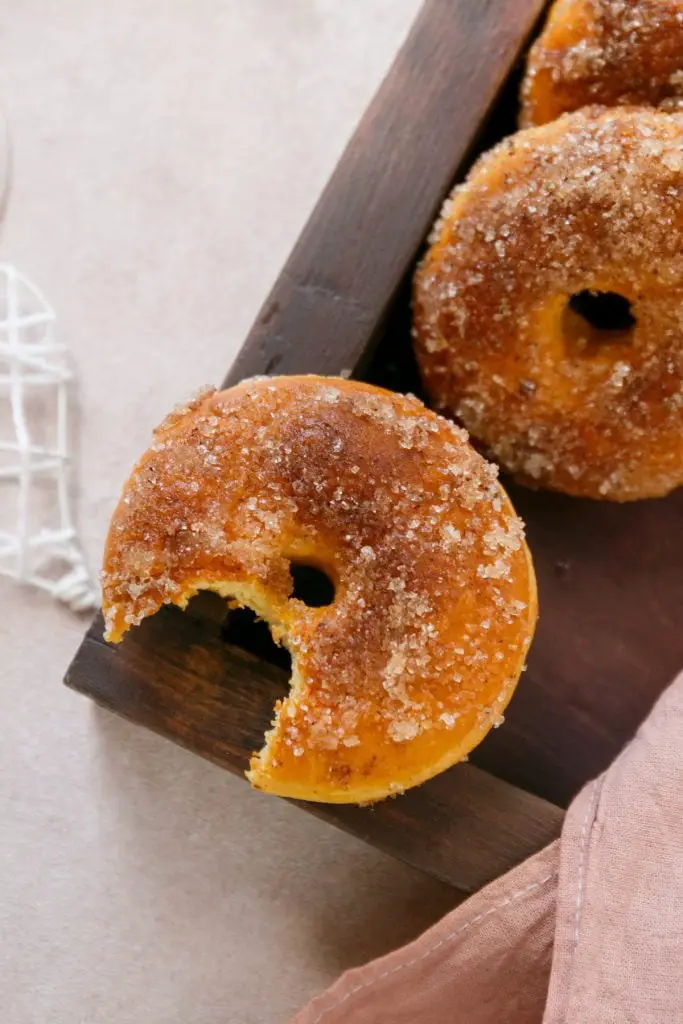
[[33, 366]]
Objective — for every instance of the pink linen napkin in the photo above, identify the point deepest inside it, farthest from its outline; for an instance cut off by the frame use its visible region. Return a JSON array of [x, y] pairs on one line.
[[589, 931]]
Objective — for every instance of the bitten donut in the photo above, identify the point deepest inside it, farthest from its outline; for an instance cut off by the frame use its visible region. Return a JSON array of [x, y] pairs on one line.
[[549, 309], [608, 52], [434, 605]]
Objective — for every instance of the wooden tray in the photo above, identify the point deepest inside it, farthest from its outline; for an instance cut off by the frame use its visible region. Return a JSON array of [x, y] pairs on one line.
[[610, 580]]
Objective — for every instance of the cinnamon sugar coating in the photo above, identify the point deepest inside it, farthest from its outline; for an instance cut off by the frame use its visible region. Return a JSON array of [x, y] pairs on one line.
[[434, 607], [592, 202], [608, 52]]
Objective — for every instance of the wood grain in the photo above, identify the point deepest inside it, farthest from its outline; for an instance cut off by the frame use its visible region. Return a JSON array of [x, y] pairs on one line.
[[373, 216], [177, 676]]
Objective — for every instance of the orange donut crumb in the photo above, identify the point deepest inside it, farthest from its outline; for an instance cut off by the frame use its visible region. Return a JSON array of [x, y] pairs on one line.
[[434, 606]]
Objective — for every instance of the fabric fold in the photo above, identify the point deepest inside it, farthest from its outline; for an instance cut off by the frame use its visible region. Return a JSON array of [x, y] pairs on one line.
[[588, 931], [618, 952], [487, 961]]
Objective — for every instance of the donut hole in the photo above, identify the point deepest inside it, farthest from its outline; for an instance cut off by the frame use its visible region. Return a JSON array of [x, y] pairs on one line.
[[593, 318], [604, 311], [312, 585], [244, 629]]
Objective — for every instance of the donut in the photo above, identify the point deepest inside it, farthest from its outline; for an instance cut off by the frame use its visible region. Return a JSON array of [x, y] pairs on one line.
[[607, 52], [418, 652], [548, 312]]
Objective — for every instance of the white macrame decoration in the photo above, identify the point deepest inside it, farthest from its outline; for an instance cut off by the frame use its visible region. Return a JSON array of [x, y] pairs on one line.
[[38, 543]]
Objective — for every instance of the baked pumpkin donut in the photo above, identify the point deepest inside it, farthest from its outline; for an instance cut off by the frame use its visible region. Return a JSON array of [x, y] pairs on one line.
[[434, 606], [608, 52], [586, 211]]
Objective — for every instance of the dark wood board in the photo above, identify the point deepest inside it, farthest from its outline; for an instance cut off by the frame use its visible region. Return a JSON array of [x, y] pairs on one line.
[[609, 639], [180, 678], [610, 578], [377, 207]]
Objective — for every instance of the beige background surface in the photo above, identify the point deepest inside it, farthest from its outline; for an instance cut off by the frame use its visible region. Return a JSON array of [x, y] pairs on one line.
[[166, 154]]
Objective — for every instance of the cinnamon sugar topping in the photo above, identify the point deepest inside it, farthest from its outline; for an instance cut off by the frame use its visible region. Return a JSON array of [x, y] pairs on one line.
[[590, 204], [430, 572], [610, 52]]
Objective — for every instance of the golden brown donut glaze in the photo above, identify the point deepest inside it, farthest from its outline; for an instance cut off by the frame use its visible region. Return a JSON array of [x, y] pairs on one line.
[[421, 648], [608, 52], [591, 202]]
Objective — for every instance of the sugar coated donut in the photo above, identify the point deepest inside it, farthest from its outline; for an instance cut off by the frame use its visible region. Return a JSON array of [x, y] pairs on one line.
[[434, 605], [552, 226], [608, 52]]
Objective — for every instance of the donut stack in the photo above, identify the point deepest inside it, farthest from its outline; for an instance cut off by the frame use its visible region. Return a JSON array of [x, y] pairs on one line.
[[549, 307]]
